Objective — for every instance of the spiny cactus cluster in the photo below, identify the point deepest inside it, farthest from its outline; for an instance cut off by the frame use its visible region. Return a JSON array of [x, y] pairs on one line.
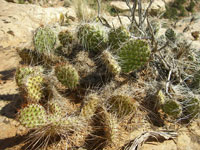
[[56, 93], [175, 109]]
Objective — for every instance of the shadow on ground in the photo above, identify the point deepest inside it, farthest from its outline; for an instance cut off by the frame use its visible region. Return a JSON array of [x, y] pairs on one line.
[[7, 74]]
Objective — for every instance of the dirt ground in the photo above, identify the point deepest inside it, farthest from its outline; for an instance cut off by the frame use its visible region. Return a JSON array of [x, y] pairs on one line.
[[11, 132]]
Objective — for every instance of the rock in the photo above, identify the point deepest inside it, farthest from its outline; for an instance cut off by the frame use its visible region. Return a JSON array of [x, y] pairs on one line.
[[115, 21], [120, 5], [157, 8], [19, 21]]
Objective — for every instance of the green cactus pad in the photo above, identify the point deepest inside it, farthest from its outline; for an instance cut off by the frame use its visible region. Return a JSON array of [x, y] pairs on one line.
[[133, 55], [90, 107], [172, 108], [118, 36], [121, 105], [33, 86], [110, 63], [33, 116], [92, 37], [67, 75], [192, 108], [44, 40], [65, 38], [23, 71], [111, 128], [170, 35]]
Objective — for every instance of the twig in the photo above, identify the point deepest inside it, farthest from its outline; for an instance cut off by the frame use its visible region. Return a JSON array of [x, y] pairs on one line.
[[140, 140]]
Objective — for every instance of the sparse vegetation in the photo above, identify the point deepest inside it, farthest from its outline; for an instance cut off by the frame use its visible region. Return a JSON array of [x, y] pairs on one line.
[[89, 87]]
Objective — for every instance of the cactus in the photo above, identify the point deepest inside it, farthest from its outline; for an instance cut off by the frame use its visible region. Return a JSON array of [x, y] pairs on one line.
[[89, 107], [66, 39], [118, 36], [92, 37], [44, 40], [111, 129], [172, 108], [67, 75], [160, 99], [170, 35], [121, 105], [33, 86], [54, 108], [192, 108], [33, 116], [110, 63], [133, 55], [23, 71]]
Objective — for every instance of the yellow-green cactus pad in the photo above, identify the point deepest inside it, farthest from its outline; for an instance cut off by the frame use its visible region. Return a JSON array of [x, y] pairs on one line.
[[93, 37], [34, 87], [67, 75], [133, 55], [23, 71], [33, 116], [121, 105], [90, 107], [110, 62], [44, 40], [117, 37]]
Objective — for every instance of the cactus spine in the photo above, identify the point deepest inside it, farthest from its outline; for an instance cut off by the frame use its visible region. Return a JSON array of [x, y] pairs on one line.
[[110, 63], [133, 55], [92, 37], [67, 75], [33, 116]]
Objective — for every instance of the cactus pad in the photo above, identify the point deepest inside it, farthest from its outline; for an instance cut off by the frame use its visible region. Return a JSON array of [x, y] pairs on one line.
[[110, 63], [44, 40], [121, 105], [118, 36], [172, 108], [33, 86], [67, 75], [32, 116], [92, 37], [170, 35], [23, 71], [133, 55], [89, 107], [192, 107]]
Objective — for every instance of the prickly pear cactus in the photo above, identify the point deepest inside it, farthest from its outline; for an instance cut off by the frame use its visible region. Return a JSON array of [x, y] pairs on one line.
[[92, 37], [121, 105], [33, 116], [54, 108], [44, 40], [170, 35], [192, 108], [133, 55], [67, 75], [89, 107], [110, 63], [23, 71], [65, 38], [111, 129], [172, 108], [117, 37], [33, 86]]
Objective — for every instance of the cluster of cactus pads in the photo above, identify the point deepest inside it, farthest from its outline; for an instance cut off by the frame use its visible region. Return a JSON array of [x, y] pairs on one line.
[[173, 109], [51, 82]]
